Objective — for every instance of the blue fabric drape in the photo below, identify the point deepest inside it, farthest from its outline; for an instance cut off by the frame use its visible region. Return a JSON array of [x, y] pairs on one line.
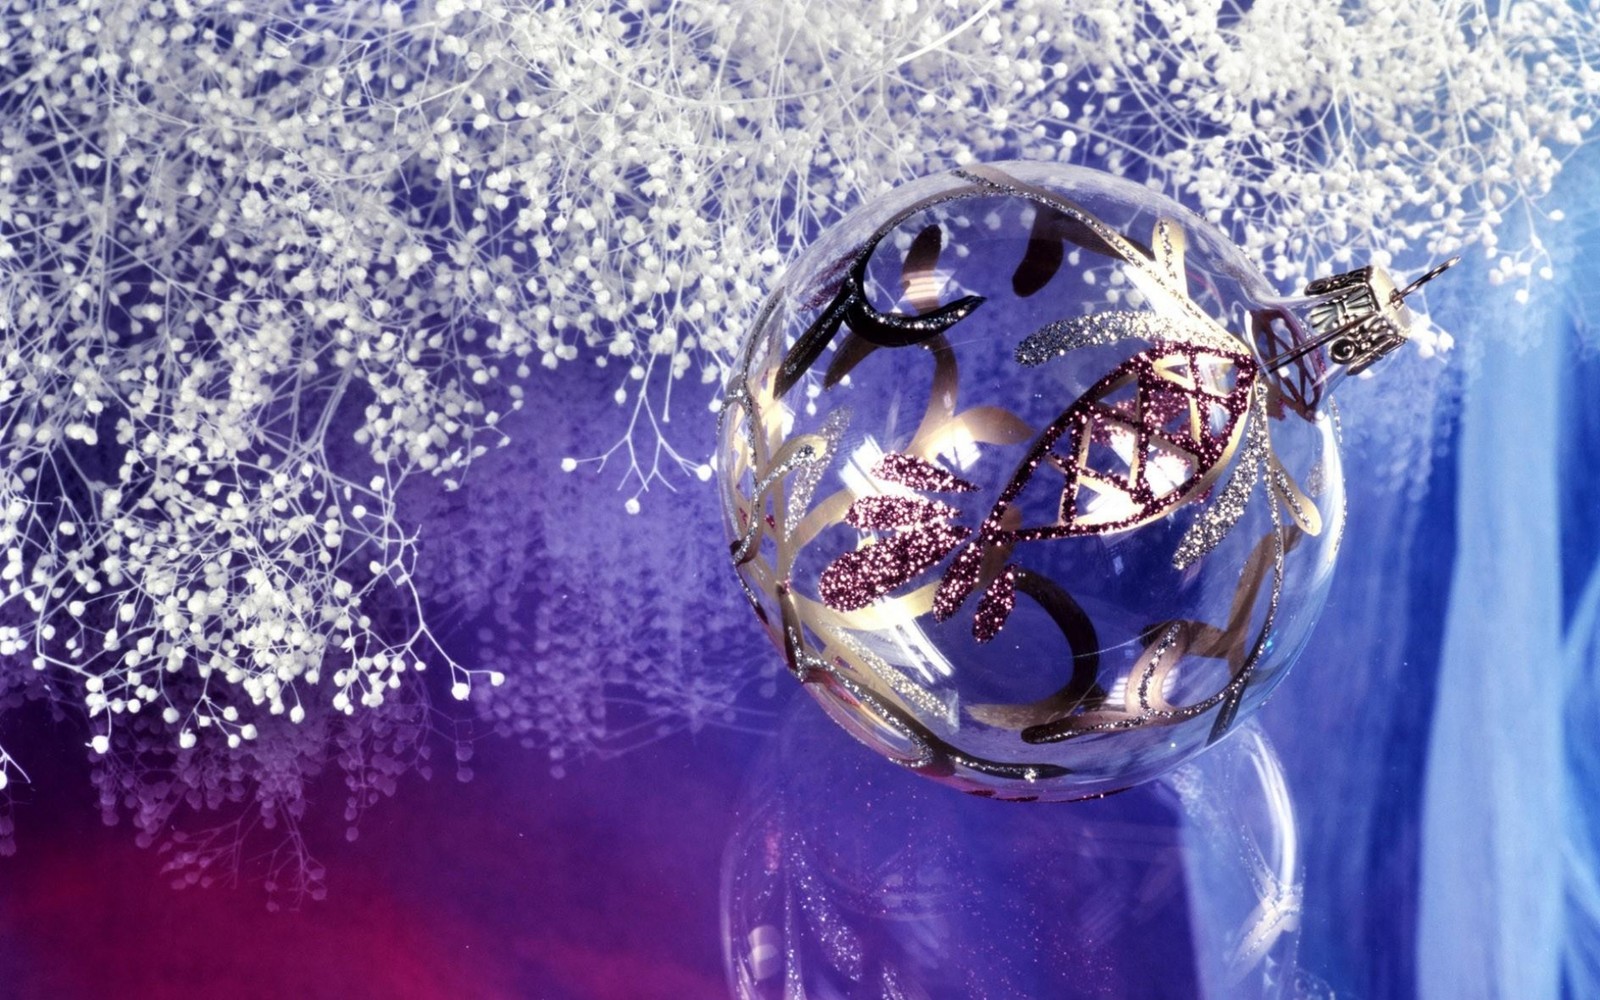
[[1491, 864], [1509, 895]]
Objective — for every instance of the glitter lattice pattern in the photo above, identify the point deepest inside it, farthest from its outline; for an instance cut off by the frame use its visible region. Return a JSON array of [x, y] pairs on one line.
[[1143, 440]]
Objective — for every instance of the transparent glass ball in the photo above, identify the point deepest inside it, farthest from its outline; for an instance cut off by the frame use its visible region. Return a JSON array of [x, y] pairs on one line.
[[1030, 475]]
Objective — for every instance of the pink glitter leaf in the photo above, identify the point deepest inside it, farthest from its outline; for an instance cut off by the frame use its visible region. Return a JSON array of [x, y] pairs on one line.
[[958, 582], [876, 513], [908, 470], [856, 579], [996, 606]]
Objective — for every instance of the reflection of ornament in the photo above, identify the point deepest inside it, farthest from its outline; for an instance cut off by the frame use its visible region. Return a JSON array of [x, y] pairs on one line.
[[1151, 463], [842, 882]]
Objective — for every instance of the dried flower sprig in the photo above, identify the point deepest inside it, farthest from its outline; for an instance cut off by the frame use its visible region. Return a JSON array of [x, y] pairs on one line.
[[262, 263]]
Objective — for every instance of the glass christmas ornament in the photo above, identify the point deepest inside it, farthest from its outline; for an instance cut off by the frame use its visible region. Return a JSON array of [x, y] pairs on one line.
[[1034, 479]]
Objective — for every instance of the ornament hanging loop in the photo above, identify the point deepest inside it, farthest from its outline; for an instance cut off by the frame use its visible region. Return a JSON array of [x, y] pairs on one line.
[[1427, 276]]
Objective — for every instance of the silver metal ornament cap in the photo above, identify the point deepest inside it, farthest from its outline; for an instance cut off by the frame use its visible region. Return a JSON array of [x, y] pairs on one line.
[[1360, 316]]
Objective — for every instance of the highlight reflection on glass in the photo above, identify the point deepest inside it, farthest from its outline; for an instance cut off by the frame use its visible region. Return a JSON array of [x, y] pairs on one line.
[[850, 879]]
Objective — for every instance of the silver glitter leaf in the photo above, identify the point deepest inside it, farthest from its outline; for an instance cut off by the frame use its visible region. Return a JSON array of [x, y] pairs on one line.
[[1223, 513], [803, 485], [1100, 330]]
